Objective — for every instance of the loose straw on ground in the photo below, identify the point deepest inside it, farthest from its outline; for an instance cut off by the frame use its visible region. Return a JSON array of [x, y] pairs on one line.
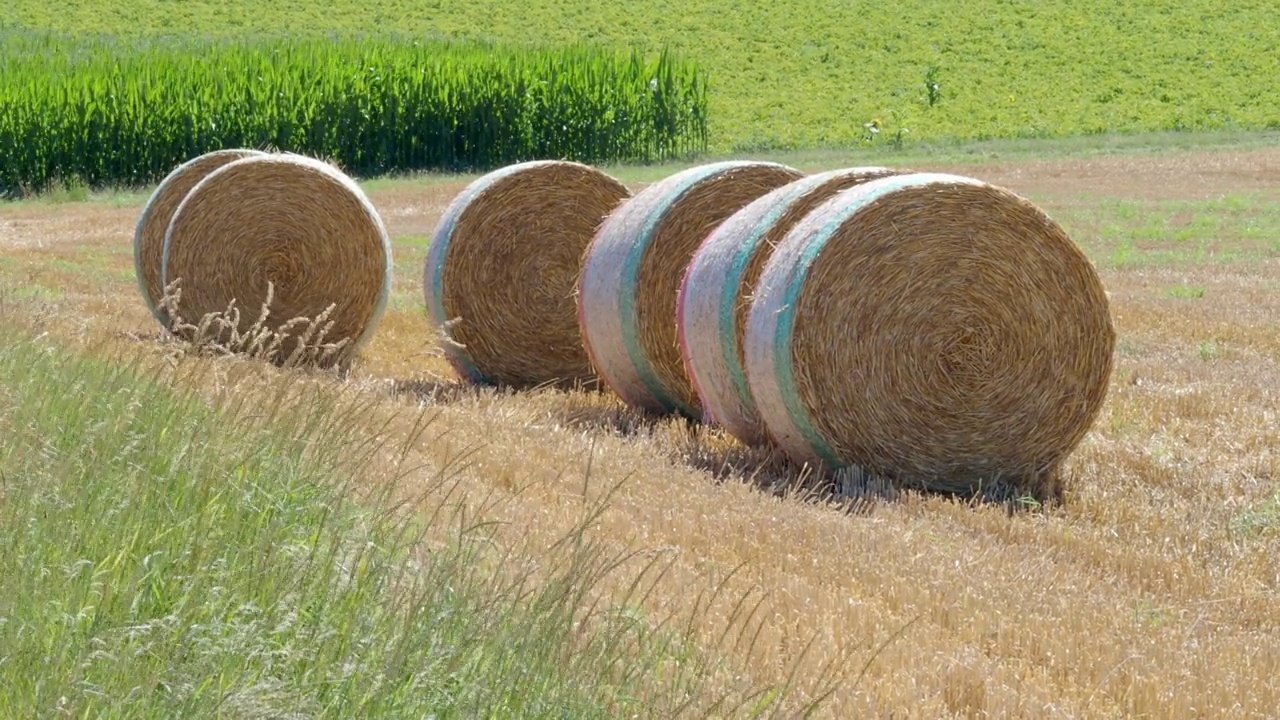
[[716, 293], [632, 273], [294, 222], [932, 329], [502, 268], [148, 234]]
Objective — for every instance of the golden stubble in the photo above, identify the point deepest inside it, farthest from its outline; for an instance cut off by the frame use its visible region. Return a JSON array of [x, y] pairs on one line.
[[1145, 594]]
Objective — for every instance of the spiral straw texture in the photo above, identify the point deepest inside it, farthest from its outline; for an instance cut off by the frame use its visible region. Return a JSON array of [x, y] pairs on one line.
[[933, 329], [294, 221], [504, 263], [716, 293], [148, 234], [632, 272]]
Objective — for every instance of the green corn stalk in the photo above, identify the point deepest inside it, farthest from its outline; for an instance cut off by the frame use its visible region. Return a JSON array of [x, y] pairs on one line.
[[111, 112]]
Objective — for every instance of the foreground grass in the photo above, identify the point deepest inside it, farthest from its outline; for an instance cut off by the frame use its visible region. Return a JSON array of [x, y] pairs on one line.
[[166, 559], [796, 73]]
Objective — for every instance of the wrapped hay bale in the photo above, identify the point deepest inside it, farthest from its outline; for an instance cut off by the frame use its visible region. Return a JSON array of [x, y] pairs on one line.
[[502, 268], [934, 330], [716, 291], [148, 234], [292, 223], [632, 273]]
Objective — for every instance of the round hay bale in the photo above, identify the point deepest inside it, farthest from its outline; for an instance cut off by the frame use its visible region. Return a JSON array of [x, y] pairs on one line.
[[296, 222], [148, 234], [632, 272], [716, 293], [504, 262], [931, 329]]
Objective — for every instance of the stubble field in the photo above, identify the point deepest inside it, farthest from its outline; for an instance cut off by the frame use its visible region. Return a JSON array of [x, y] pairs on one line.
[[1152, 592]]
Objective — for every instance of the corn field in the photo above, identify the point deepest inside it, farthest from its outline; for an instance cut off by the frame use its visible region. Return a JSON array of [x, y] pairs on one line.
[[103, 112]]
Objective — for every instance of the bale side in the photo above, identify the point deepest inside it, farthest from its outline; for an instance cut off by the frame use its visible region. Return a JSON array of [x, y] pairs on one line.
[[715, 293], [632, 272]]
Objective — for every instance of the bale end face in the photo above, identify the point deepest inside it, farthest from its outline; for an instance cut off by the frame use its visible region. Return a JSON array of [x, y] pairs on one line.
[[502, 267], [291, 231], [934, 329]]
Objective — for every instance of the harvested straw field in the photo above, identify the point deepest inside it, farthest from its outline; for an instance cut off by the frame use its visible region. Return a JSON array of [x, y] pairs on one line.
[[1152, 590], [153, 222], [716, 293], [632, 272], [502, 268], [975, 347], [287, 235]]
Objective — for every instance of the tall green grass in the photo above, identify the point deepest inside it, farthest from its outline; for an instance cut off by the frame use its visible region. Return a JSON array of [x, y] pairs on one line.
[[101, 111], [165, 557]]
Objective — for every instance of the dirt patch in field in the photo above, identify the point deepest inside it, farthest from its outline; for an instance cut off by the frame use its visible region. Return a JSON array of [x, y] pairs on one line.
[[1185, 176]]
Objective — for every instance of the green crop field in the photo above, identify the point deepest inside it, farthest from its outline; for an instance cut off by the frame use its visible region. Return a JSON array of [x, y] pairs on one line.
[[798, 73], [110, 112]]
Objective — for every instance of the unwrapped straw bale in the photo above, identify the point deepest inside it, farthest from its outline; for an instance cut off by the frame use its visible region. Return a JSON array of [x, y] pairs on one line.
[[502, 268]]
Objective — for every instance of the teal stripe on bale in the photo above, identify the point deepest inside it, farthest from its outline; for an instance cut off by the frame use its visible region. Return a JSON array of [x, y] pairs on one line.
[[631, 281]]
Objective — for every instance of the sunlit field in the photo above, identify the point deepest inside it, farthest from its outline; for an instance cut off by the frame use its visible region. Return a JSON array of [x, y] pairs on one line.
[[1151, 591]]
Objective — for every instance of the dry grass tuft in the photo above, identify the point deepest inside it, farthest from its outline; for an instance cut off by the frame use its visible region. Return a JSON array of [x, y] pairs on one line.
[[935, 330], [715, 294], [502, 266], [223, 333], [283, 228], [632, 273]]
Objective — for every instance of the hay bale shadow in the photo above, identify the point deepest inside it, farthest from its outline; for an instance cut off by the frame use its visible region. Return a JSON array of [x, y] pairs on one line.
[[601, 412], [852, 490], [769, 470]]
